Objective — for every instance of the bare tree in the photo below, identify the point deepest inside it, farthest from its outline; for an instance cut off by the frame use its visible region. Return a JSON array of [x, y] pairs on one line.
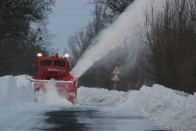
[[18, 40], [170, 36], [115, 7]]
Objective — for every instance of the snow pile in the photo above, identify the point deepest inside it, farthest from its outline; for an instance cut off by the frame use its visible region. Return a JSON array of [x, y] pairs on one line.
[[99, 96], [173, 109], [15, 90], [3, 88], [18, 110]]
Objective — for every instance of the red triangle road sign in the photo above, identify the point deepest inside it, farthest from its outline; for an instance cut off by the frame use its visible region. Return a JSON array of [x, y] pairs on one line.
[[115, 78], [116, 71]]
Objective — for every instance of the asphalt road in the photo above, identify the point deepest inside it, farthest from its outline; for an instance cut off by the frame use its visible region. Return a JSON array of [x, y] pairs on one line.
[[80, 119]]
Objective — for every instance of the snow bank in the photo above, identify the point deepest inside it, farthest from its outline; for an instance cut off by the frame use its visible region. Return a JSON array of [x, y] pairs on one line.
[[99, 96], [3, 88], [19, 90], [170, 108], [174, 109], [14, 90], [18, 110]]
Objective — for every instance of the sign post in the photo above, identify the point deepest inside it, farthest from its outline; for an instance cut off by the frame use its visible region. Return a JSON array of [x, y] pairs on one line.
[[115, 77]]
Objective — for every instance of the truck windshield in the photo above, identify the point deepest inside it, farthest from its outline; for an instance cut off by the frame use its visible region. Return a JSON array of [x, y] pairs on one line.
[[46, 63], [59, 63]]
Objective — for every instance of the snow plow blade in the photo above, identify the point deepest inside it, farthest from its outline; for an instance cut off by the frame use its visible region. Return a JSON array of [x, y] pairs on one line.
[[66, 89]]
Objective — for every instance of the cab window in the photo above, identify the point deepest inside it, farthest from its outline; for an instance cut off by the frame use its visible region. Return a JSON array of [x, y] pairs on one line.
[[46, 63], [59, 63]]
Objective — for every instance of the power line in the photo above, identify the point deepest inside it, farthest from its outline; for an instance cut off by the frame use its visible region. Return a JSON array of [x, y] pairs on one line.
[[70, 14], [61, 14], [64, 15], [72, 9]]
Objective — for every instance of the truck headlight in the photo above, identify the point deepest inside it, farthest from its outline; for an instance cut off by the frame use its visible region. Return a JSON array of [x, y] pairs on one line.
[[39, 54], [66, 55]]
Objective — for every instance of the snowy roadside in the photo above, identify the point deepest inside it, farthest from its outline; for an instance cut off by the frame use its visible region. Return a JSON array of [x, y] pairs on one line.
[[166, 107], [169, 108], [18, 111]]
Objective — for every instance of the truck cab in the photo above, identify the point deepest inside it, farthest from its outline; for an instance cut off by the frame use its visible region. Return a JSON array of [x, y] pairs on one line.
[[52, 67]]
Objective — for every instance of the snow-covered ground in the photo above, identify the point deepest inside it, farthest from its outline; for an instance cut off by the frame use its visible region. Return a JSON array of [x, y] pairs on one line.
[[172, 109]]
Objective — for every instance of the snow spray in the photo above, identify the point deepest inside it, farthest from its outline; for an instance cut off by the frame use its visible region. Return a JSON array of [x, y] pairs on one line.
[[123, 31]]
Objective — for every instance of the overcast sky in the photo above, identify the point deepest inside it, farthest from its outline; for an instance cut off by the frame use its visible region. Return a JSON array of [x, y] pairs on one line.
[[68, 17]]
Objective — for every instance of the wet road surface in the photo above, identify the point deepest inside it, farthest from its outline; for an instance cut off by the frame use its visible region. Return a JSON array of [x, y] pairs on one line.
[[78, 119]]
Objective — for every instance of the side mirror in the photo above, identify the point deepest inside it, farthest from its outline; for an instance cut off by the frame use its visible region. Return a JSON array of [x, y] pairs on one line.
[[70, 68]]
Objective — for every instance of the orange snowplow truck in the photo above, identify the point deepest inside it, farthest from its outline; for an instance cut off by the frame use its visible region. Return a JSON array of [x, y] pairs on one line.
[[55, 69]]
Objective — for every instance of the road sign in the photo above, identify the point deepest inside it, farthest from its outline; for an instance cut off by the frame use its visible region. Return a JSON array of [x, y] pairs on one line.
[[116, 71], [115, 78]]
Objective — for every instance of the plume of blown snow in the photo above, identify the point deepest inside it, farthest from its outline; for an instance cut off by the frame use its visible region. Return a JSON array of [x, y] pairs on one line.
[[51, 95], [122, 32]]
